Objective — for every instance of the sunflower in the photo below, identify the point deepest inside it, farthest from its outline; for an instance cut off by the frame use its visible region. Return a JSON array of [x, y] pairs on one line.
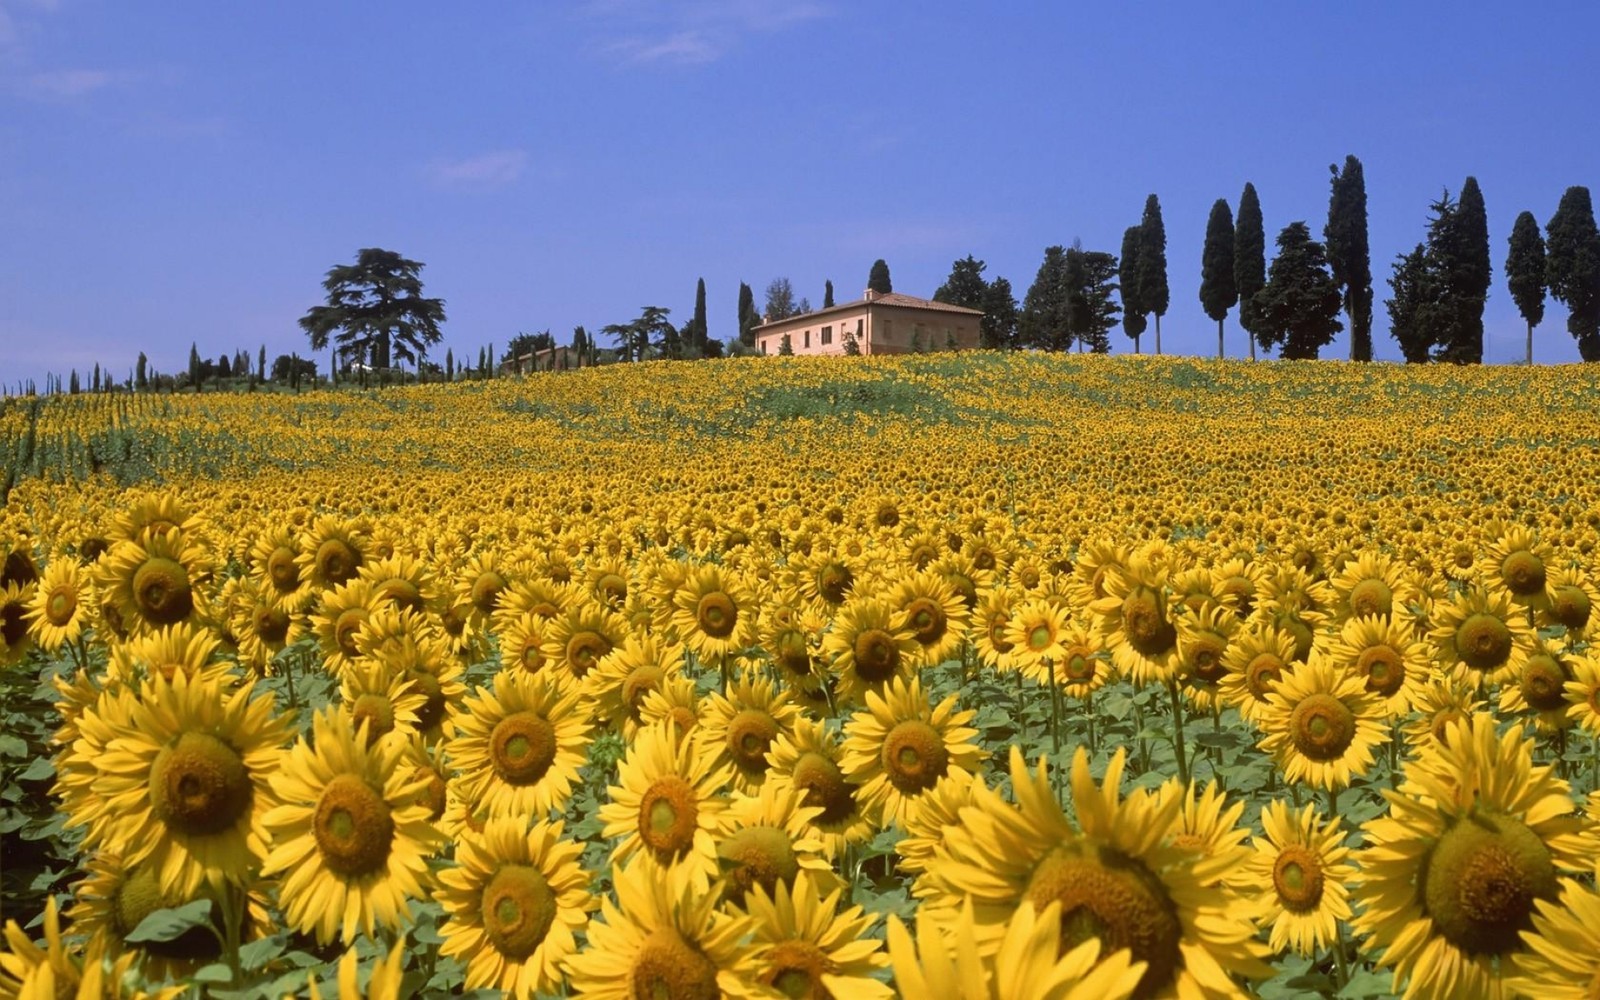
[[337, 622], [182, 786], [870, 646], [828, 577], [676, 701], [515, 900], [810, 947], [1440, 702], [899, 747], [1300, 864], [1480, 636], [15, 637], [1137, 624], [1092, 565], [332, 551], [607, 580], [404, 581], [808, 759], [1203, 640], [1236, 582], [1321, 724], [521, 642], [1583, 692], [519, 743], [576, 639], [151, 582], [1573, 598], [1541, 688], [623, 677], [263, 627], [791, 635], [1387, 654], [1085, 664], [665, 937], [931, 817], [158, 512], [351, 835], [742, 723], [481, 585], [408, 645], [30, 972], [184, 648], [1373, 584], [544, 599], [1207, 824], [385, 982], [1475, 834], [935, 613], [1558, 963], [275, 568], [991, 619], [382, 701], [1035, 634], [715, 613], [61, 607], [767, 839], [667, 803], [1517, 563]]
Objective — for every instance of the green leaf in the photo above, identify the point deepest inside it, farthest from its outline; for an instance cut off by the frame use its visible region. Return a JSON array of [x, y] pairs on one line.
[[10, 746], [256, 954], [171, 924], [39, 770], [216, 972]]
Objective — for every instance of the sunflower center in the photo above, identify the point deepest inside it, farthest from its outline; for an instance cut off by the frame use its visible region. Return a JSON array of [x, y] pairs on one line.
[[531, 659], [876, 655], [345, 628], [1384, 669], [199, 785], [1523, 573], [669, 968], [522, 746], [641, 680], [1442, 720], [1263, 671], [669, 813], [1206, 650], [518, 908], [825, 787], [833, 582], [1481, 880], [965, 587], [997, 633], [60, 606], [1079, 668], [13, 623], [1144, 620], [750, 735], [914, 756], [793, 655], [1371, 597], [716, 614], [282, 569], [1483, 641], [1242, 590], [1322, 727], [795, 969], [1107, 895], [377, 711], [271, 624], [400, 592], [1041, 637], [486, 591], [337, 561], [584, 649], [1569, 605], [140, 895], [928, 621], [161, 591], [757, 855], [1297, 877], [352, 826], [1544, 683], [612, 588], [431, 712]]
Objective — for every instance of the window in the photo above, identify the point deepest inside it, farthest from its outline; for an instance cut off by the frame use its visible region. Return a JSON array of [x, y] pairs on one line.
[[806, 342], [827, 335]]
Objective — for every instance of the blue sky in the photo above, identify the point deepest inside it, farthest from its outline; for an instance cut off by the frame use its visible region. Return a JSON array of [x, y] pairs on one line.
[[185, 172]]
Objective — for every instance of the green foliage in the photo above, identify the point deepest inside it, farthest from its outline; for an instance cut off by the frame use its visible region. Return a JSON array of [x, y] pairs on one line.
[[878, 278], [1413, 304], [1249, 261], [375, 309], [1091, 310], [1525, 272], [1154, 295], [786, 346], [998, 328], [1572, 263], [1463, 260], [1348, 255], [780, 300], [827, 295], [749, 319], [966, 286], [1218, 293], [1134, 311], [1299, 304], [1043, 321]]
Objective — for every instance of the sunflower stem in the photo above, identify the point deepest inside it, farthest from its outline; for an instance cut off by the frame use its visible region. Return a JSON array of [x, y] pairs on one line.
[[1333, 802], [1342, 970], [1088, 715], [1144, 747], [1055, 708], [1177, 731], [233, 904]]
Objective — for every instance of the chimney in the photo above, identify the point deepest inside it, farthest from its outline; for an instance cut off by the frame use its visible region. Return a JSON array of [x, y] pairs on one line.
[[870, 294]]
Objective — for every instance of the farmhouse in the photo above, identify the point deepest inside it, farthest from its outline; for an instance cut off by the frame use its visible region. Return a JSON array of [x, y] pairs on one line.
[[880, 323]]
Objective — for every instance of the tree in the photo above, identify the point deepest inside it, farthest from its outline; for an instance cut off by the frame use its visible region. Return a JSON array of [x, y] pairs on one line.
[[1218, 293], [827, 295], [195, 369], [1091, 277], [852, 340], [780, 300], [1153, 292], [291, 368], [878, 278], [582, 346], [261, 363], [998, 328], [1464, 263], [376, 309], [1525, 273], [748, 318], [141, 374], [1043, 321], [224, 369], [449, 365], [695, 333], [1134, 311], [635, 339], [965, 287], [1300, 303], [1414, 306], [1249, 261], [804, 306], [1348, 255], [785, 347], [1572, 268]]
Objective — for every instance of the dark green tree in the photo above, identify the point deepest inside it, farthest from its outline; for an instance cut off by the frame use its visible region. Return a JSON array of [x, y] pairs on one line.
[[449, 364], [780, 300], [195, 367], [376, 310], [1134, 313], [1300, 304], [1043, 321], [878, 278], [1463, 260], [1249, 261], [224, 369], [852, 340], [1153, 292], [785, 347], [1415, 304], [1525, 272], [749, 319], [141, 370], [1348, 254], [695, 336], [1218, 293], [1092, 309], [261, 363], [827, 295], [998, 328], [1572, 268], [966, 286]]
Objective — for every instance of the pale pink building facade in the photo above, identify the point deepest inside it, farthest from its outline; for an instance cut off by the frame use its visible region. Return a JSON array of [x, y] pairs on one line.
[[880, 322]]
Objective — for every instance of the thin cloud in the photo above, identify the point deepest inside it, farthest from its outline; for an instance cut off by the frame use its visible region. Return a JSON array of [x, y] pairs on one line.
[[68, 84], [686, 48], [488, 170], [691, 33]]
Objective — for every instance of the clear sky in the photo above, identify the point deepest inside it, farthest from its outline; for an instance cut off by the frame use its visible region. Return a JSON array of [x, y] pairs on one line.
[[183, 171]]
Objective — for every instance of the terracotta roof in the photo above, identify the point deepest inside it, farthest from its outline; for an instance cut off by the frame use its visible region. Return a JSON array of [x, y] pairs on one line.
[[886, 299]]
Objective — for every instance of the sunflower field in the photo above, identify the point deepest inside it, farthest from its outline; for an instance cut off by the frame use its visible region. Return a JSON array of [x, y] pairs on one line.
[[1021, 677]]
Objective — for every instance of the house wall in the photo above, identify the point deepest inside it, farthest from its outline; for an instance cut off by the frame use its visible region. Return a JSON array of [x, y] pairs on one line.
[[884, 330], [807, 338]]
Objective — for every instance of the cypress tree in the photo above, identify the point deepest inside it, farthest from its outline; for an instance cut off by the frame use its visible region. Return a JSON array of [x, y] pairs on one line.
[[1133, 309], [194, 366], [878, 278], [1525, 272], [1467, 273], [747, 315], [1218, 293], [1249, 261], [141, 378], [697, 328], [449, 364], [1348, 254], [998, 328], [827, 295], [1153, 292], [1572, 268]]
